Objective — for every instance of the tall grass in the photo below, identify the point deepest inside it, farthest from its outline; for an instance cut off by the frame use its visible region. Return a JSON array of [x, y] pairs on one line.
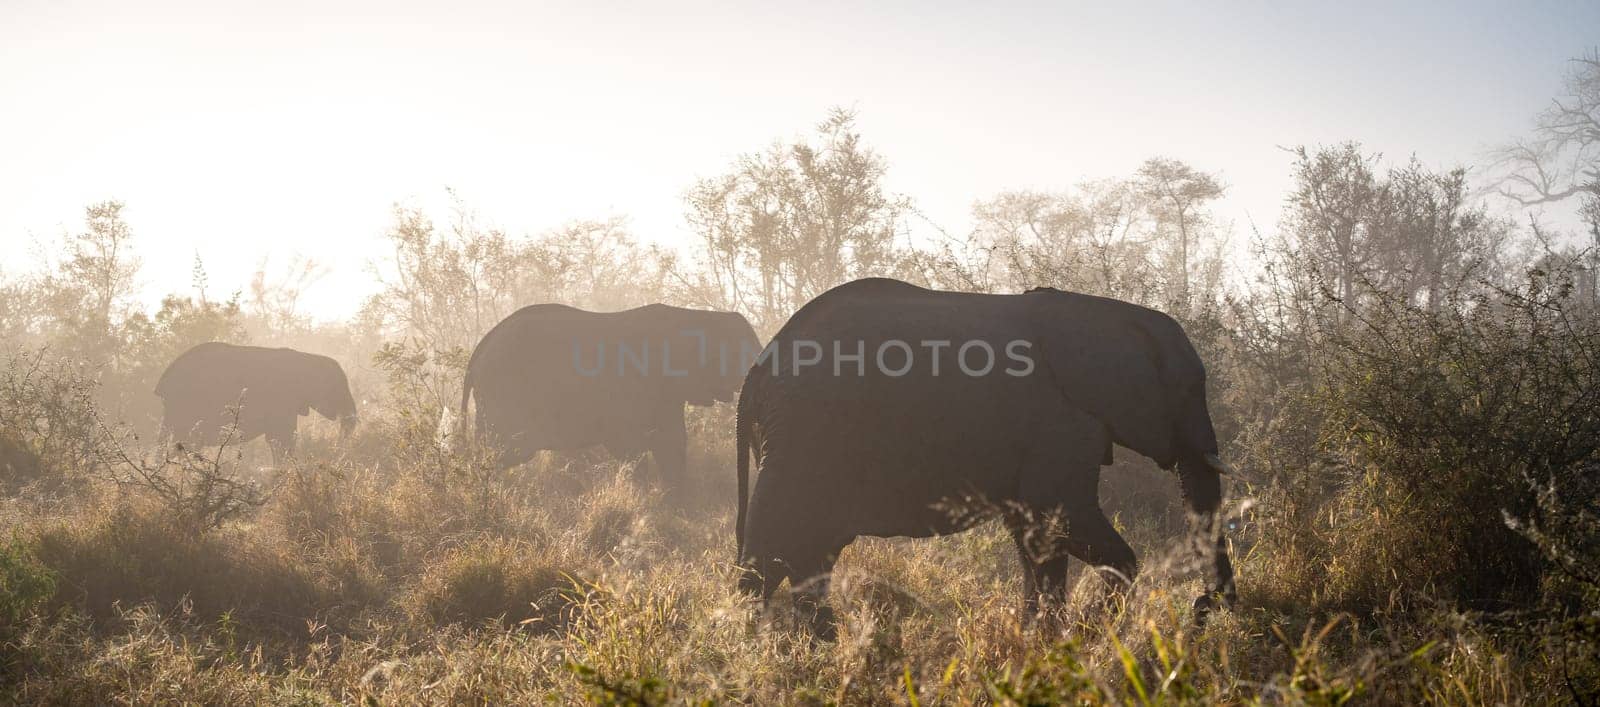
[[389, 569]]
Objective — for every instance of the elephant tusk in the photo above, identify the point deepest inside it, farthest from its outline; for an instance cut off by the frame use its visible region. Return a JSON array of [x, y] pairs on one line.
[[1217, 465]]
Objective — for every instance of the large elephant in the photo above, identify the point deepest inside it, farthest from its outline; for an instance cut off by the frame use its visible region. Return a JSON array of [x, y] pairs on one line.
[[560, 378], [270, 387], [939, 399]]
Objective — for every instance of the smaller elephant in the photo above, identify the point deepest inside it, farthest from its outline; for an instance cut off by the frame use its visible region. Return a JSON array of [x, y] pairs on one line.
[[270, 387], [553, 377]]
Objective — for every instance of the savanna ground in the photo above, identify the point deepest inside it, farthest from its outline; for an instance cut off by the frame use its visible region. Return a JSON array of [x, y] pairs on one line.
[[1407, 383]]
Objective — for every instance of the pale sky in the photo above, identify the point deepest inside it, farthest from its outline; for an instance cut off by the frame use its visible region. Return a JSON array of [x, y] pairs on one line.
[[241, 130]]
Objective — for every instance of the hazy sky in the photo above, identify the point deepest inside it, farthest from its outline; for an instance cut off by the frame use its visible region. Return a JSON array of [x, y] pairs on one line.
[[240, 130]]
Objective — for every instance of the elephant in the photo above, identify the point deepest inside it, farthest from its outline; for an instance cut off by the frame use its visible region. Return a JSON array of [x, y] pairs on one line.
[[554, 377], [271, 388], [904, 425]]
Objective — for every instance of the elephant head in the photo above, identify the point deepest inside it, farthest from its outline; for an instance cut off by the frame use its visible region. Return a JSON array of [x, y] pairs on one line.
[[328, 392], [721, 346], [1131, 368], [1135, 371]]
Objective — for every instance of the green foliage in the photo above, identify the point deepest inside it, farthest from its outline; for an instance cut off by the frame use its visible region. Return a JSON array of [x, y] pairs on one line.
[[25, 584], [625, 692], [1054, 677], [1449, 417]]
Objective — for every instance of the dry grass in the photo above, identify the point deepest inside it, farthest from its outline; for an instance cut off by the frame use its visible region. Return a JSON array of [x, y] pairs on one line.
[[571, 581], [387, 571]]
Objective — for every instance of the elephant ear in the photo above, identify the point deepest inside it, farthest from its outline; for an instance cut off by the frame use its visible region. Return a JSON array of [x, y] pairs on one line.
[[187, 373], [1109, 366], [293, 377], [689, 364], [336, 390], [167, 387]]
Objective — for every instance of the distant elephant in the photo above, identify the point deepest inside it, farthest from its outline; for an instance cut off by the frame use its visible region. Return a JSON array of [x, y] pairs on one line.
[[560, 378], [881, 404], [271, 388]]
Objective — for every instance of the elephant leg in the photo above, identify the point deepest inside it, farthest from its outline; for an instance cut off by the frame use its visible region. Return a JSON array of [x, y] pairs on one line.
[[766, 531], [187, 431], [1092, 538], [810, 574], [785, 539], [629, 450], [1060, 492], [503, 435], [1030, 568], [166, 436], [810, 577], [513, 451], [669, 447], [281, 442], [1043, 567], [515, 456]]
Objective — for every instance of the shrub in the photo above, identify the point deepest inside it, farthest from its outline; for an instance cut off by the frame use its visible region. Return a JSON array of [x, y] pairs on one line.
[[198, 489], [24, 584], [496, 580], [131, 555], [49, 432], [1448, 417]]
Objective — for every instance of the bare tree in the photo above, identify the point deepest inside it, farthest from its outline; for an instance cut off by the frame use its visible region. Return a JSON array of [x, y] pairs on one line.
[[275, 301], [1560, 162], [1562, 158]]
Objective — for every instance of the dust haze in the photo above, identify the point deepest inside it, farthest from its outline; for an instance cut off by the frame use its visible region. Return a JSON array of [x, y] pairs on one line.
[[779, 355]]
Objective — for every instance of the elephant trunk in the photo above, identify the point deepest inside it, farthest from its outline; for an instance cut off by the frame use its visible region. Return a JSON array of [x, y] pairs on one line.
[[1201, 480]]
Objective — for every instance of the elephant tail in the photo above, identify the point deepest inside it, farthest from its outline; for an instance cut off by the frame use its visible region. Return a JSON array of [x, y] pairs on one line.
[[741, 436]]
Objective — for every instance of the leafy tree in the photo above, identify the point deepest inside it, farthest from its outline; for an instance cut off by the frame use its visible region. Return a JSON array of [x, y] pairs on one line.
[[92, 288], [1176, 196], [1333, 213], [1436, 239], [1409, 230], [788, 223], [448, 288], [598, 265], [1091, 239], [1149, 238]]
